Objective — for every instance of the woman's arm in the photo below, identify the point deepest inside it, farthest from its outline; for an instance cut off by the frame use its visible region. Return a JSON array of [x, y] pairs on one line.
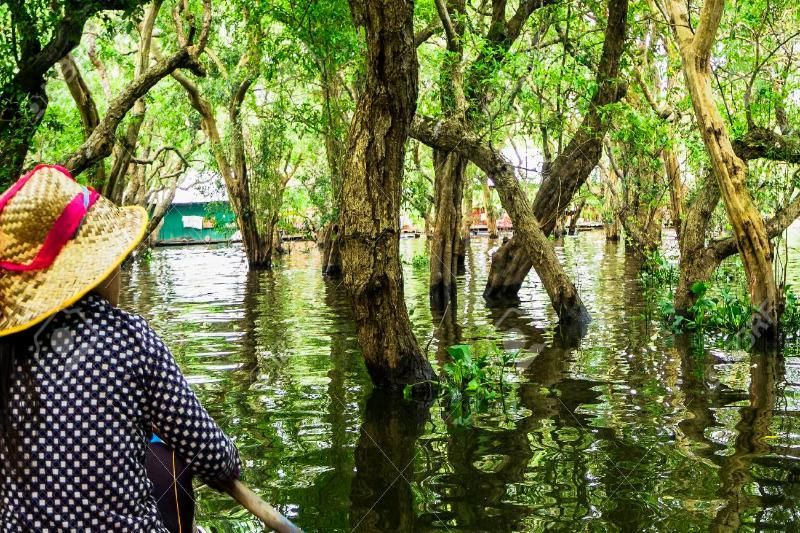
[[179, 418]]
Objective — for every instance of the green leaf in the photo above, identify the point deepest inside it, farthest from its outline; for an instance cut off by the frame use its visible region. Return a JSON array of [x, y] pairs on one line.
[[459, 352], [699, 288]]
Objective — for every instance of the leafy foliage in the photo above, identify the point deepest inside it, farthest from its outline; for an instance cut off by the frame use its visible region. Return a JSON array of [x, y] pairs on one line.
[[473, 380], [658, 272], [725, 313]]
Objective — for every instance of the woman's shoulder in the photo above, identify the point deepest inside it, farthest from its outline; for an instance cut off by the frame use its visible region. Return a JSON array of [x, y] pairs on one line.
[[109, 320]]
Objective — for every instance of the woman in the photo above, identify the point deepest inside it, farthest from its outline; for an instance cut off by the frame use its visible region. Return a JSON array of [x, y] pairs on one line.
[[83, 384]]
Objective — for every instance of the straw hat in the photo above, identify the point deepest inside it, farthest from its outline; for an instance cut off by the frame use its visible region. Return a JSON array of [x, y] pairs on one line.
[[58, 241]]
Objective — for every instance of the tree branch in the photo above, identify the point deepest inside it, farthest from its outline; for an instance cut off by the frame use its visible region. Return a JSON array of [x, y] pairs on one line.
[[447, 24], [80, 92], [775, 226], [100, 143], [426, 33], [761, 143], [710, 17]]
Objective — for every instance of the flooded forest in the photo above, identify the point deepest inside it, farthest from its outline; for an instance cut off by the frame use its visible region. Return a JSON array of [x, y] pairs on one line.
[[452, 265]]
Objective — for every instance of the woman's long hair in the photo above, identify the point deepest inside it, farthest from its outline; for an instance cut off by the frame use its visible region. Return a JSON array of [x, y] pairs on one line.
[[12, 349], [8, 354]]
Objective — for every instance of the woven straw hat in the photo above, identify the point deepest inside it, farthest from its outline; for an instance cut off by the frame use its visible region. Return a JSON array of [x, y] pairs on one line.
[[58, 241]]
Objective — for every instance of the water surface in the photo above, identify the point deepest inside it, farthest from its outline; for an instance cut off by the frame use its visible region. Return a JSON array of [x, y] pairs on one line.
[[630, 429]]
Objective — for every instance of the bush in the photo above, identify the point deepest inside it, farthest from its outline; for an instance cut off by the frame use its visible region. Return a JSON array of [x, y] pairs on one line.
[[419, 262], [726, 313], [473, 380]]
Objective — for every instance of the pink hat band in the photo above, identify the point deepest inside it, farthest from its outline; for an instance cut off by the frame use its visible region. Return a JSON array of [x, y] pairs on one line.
[[62, 230]]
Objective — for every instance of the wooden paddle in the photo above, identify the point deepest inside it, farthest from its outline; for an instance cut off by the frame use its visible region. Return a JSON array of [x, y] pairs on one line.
[[259, 508]]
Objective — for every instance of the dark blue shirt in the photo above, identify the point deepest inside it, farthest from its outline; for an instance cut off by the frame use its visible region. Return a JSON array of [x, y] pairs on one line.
[[95, 384]]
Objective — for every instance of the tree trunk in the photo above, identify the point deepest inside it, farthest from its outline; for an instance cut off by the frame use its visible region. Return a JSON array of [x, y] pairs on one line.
[[676, 189], [573, 221], [642, 229], [80, 92], [160, 209], [429, 222], [749, 229], [124, 150], [560, 228], [447, 247], [233, 169], [563, 294], [697, 262], [335, 134], [87, 108], [572, 167], [699, 259], [641, 220], [510, 267], [371, 198], [610, 204], [100, 143], [465, 232], [612, 229], [491, 214], [257, 240], [277, 240], [449, 170], [331, 251], [335, 128]]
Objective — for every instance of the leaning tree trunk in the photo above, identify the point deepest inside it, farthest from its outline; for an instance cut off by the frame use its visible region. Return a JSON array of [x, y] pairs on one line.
[[533, 242], [84, 101], [371, 198], [572, 167], [730, 171], [125, 149], [563, 294], [700, 257], [449, 170]]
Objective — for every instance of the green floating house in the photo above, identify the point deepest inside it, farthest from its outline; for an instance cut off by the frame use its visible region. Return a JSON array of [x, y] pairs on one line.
[[197, 217]]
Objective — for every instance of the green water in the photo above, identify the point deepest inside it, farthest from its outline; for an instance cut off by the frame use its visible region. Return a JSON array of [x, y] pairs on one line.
[[631, 429]]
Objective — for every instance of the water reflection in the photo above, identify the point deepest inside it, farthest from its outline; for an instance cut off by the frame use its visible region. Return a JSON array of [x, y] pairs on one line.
[[627, 428], [382, 494]]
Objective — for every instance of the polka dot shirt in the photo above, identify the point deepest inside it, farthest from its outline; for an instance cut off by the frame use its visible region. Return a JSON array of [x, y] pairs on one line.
[[84, 401]]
